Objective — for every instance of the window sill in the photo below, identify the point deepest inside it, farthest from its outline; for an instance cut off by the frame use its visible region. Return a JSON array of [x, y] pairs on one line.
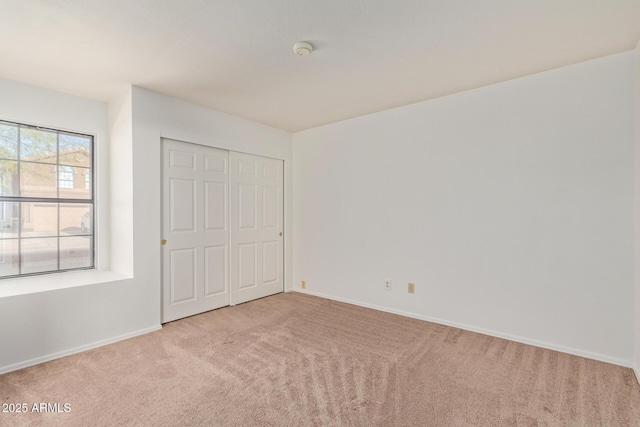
[[56, 281]]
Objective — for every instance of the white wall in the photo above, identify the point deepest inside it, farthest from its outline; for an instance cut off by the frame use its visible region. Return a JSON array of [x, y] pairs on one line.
[[114, 305], [510, 207], [636, 118], [156, 116], [121, 180], [37, 324]]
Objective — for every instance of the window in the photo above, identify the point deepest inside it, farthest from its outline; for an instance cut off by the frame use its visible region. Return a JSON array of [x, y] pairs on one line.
[[46, 218], [65, 177]]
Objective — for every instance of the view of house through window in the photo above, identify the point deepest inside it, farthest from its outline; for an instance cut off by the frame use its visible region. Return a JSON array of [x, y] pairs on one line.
[[46, 200]]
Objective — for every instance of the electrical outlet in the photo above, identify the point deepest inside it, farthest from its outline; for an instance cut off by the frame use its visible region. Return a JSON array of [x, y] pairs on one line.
[[303, 284], [411, 288], [387, 284]]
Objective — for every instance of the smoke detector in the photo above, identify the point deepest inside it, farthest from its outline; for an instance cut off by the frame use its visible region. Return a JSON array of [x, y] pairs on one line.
[[302, 49]]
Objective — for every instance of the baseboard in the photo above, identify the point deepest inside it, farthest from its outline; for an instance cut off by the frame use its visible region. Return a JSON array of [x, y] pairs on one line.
[[52, 356], [637, 373], [542, 344]]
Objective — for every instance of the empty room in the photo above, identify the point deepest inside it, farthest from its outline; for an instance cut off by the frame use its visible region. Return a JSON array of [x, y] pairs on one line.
[[323, 213]]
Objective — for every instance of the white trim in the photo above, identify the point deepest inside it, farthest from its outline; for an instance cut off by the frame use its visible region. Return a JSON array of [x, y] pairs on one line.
[[637, 373], [542, 344], [219, 144], [53, 356], [55, 281]]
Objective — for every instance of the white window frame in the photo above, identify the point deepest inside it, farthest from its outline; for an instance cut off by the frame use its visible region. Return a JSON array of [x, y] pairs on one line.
[[89, 171]]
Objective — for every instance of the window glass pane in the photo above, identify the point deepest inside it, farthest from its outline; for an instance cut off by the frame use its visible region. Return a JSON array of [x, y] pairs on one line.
[[8, 178], [75, 219], [8, 141], [65, 177], [38, 145], [74, 179], [39, 255], [9, 260], [75, 150], [9, 220], [38, 180], [75, 252], [39, 219], [43, 235]]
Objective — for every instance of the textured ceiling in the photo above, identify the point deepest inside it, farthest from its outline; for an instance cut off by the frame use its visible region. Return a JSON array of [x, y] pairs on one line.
[[235, 55]]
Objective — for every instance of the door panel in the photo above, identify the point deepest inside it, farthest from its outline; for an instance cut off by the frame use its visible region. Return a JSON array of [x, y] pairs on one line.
[[182, 201], [247, 167], [247, 207], [215, 205], [256, 225], [215, 165], [269, 262], [183, 285], [181, 159], [215, 276], [247, 265], [270, 207], [195, 226]]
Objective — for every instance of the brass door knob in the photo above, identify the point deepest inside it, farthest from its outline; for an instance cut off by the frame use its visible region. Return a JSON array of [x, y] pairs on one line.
[[163, 242], [280, 233]]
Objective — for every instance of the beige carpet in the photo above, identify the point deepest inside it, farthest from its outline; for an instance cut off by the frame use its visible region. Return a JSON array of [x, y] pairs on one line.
[[297, 360]]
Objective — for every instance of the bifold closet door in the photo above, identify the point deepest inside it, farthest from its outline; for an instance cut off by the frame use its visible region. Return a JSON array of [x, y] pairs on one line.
[[256, 224], [195, 229]]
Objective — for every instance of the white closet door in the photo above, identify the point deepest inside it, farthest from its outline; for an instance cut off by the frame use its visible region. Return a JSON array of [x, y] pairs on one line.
[[195, 231], [256, 224]]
